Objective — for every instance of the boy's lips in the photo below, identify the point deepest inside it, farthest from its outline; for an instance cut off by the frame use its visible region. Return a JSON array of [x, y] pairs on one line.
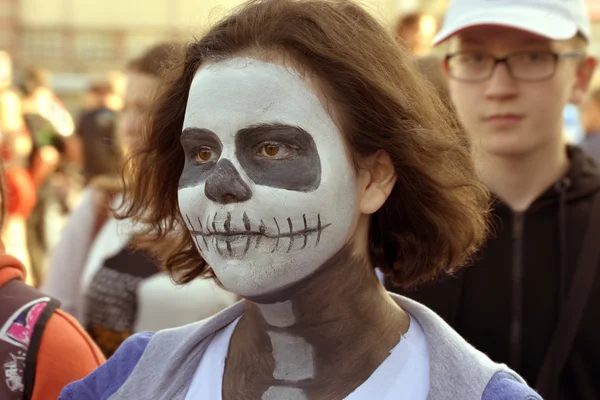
[[503, 120]]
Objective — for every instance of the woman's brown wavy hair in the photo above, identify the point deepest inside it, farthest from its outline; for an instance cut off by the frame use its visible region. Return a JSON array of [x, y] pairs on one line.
[[435, 217]]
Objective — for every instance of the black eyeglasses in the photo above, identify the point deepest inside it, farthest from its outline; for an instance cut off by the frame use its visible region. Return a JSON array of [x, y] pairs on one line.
[[528, 66]]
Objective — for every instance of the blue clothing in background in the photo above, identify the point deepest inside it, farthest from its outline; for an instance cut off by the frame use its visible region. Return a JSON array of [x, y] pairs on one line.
[[573, 128]]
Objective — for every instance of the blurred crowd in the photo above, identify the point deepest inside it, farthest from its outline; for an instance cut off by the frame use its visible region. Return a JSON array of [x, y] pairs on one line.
[[63, 182]]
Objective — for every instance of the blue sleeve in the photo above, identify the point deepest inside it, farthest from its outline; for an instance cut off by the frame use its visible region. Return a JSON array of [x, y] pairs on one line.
[[108, 378], [504, 386]]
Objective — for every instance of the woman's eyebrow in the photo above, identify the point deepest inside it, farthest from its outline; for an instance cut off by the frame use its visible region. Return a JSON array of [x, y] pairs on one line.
[[192, 132], [262, 128]]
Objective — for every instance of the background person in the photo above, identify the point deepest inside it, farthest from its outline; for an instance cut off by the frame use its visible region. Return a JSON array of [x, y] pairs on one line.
[[531, 297], [112, 288]]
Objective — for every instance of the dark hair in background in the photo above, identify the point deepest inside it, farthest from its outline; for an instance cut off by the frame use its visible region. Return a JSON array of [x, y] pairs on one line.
[[33, 79], [101, 88], [410, 20], [432, 68], [408, 23], [157, 60], [436, 215]]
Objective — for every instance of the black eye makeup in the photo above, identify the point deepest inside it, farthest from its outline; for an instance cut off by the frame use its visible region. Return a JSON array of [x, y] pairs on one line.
[[275, 155], [195, 139], [280, 156], [202, 150]]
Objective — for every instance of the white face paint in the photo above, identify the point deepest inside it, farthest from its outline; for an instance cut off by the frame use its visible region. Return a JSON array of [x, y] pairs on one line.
[[267, 190], [293, 357], [284, 393], [279, 315]]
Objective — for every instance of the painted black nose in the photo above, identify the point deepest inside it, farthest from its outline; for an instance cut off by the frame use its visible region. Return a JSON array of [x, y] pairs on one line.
[[225, 185]]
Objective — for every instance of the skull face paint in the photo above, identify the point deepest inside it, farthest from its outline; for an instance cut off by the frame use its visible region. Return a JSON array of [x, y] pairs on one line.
[[267, 190]]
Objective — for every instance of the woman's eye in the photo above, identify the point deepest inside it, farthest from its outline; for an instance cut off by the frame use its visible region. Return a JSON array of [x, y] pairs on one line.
[[271, 150], [275, 151], [205, 155]]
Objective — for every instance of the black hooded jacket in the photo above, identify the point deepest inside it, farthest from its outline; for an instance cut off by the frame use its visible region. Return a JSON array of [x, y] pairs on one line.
[[507, 303]]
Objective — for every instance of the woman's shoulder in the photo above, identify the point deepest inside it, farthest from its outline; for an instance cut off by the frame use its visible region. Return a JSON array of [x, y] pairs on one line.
[[505, 386], [107, 379]]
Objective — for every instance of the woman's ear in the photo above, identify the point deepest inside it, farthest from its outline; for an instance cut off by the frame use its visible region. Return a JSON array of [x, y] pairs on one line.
[[376, 180]]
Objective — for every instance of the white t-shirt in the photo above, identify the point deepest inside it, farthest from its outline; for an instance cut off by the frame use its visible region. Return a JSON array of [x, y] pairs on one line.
[[403, 375]]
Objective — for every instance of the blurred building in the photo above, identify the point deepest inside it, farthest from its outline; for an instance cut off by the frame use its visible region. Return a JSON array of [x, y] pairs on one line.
[[94, 35], [98, 35], [79, 38]]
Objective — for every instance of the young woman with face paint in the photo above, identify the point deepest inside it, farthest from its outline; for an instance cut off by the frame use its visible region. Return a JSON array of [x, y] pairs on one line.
[[298, 150]]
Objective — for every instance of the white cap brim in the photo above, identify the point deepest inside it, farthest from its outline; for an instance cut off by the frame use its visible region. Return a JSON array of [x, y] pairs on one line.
[[534, 20]]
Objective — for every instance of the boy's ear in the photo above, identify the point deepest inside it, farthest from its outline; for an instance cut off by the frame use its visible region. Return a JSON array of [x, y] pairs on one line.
[[585, 73], [445, 68]]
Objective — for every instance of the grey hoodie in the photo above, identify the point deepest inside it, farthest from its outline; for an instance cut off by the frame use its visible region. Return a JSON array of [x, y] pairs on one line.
[[161, 366]]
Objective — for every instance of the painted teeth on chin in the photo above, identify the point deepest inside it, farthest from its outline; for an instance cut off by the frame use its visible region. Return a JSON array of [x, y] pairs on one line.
[[247, 222], [216, 243], [203, 238], [319, 229], [291, 234], [248, 241], [262, 229], [215, 236], [278, 234], [227, 223], [305, 232], [194, 236]]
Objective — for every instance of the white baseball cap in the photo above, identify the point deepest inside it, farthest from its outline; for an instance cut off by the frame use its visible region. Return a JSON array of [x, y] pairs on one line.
[[554, 19]]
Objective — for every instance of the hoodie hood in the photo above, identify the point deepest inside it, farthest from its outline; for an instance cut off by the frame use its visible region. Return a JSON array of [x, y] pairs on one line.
[[581, 180]]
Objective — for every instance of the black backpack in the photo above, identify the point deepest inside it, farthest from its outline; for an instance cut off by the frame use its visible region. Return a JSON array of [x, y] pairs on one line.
[[24, 313]]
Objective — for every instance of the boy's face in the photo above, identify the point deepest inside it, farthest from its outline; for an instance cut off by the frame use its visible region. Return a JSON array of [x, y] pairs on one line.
[[510, 117]]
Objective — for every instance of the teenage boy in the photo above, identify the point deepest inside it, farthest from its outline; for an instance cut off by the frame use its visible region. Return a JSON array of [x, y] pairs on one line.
[[532, 296]]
